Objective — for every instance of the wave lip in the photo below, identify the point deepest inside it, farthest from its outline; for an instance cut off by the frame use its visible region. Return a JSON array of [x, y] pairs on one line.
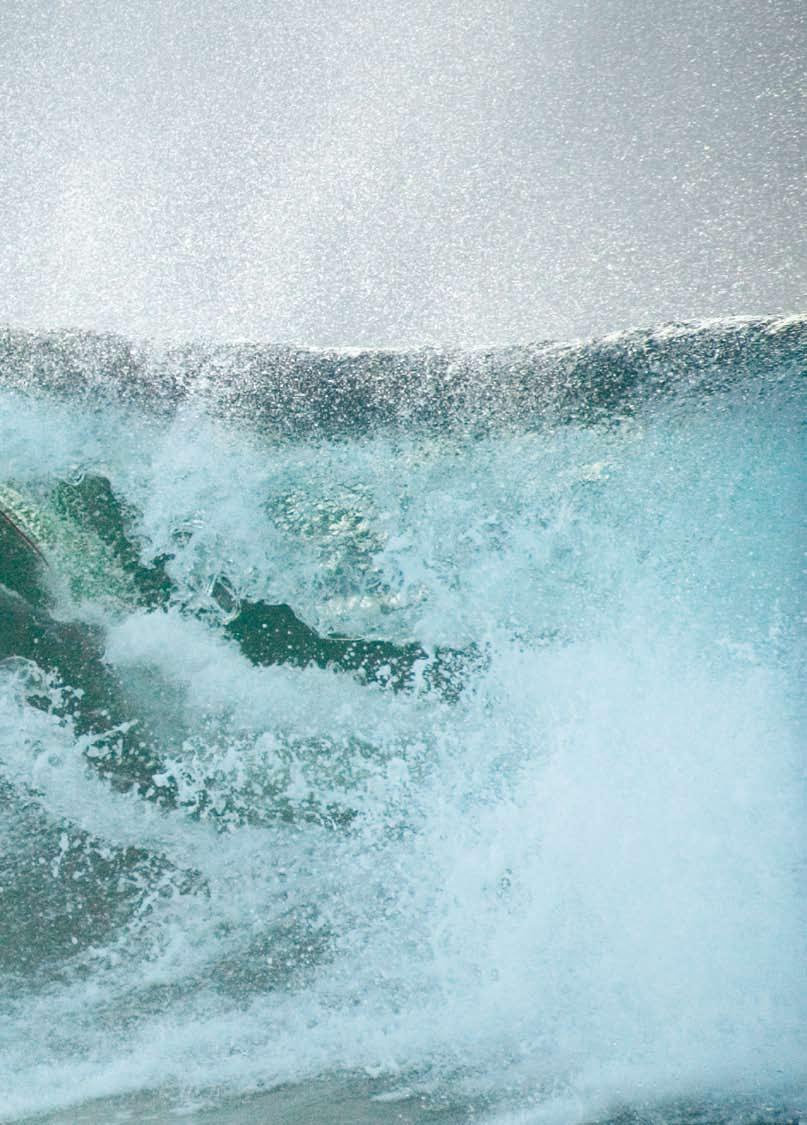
[[290, 390]]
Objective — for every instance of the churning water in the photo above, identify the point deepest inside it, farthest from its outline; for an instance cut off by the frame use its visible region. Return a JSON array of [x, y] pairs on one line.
[[561, 882]]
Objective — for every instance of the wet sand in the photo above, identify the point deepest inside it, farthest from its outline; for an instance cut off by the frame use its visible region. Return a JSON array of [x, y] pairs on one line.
[[335, 1102], [323, 1103]]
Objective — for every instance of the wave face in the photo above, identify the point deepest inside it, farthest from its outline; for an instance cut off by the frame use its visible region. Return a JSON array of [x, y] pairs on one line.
[[570, 886]]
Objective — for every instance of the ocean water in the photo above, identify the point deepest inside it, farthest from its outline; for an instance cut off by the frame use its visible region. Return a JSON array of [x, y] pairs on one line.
[[554, 872]]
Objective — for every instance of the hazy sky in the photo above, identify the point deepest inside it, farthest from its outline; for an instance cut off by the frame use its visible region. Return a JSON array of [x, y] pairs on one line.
[[350, 171]]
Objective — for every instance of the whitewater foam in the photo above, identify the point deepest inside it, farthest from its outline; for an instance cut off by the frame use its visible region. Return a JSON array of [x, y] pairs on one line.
[[578, 884]]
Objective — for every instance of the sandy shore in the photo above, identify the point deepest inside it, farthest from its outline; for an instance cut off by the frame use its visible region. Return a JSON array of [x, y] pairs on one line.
[[336, 1103], [317, 1103]]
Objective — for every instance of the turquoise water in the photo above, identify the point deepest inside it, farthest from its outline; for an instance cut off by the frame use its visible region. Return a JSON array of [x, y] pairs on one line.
[[568, 887]]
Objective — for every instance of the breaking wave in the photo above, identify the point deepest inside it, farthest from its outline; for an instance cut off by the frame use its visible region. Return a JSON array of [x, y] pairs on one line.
[[506, 816]]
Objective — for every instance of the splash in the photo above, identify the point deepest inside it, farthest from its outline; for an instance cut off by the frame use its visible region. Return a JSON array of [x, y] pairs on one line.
[[573, 883]]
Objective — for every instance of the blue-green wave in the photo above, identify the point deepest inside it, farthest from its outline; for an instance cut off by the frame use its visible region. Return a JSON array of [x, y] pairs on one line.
[[421, 727]]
